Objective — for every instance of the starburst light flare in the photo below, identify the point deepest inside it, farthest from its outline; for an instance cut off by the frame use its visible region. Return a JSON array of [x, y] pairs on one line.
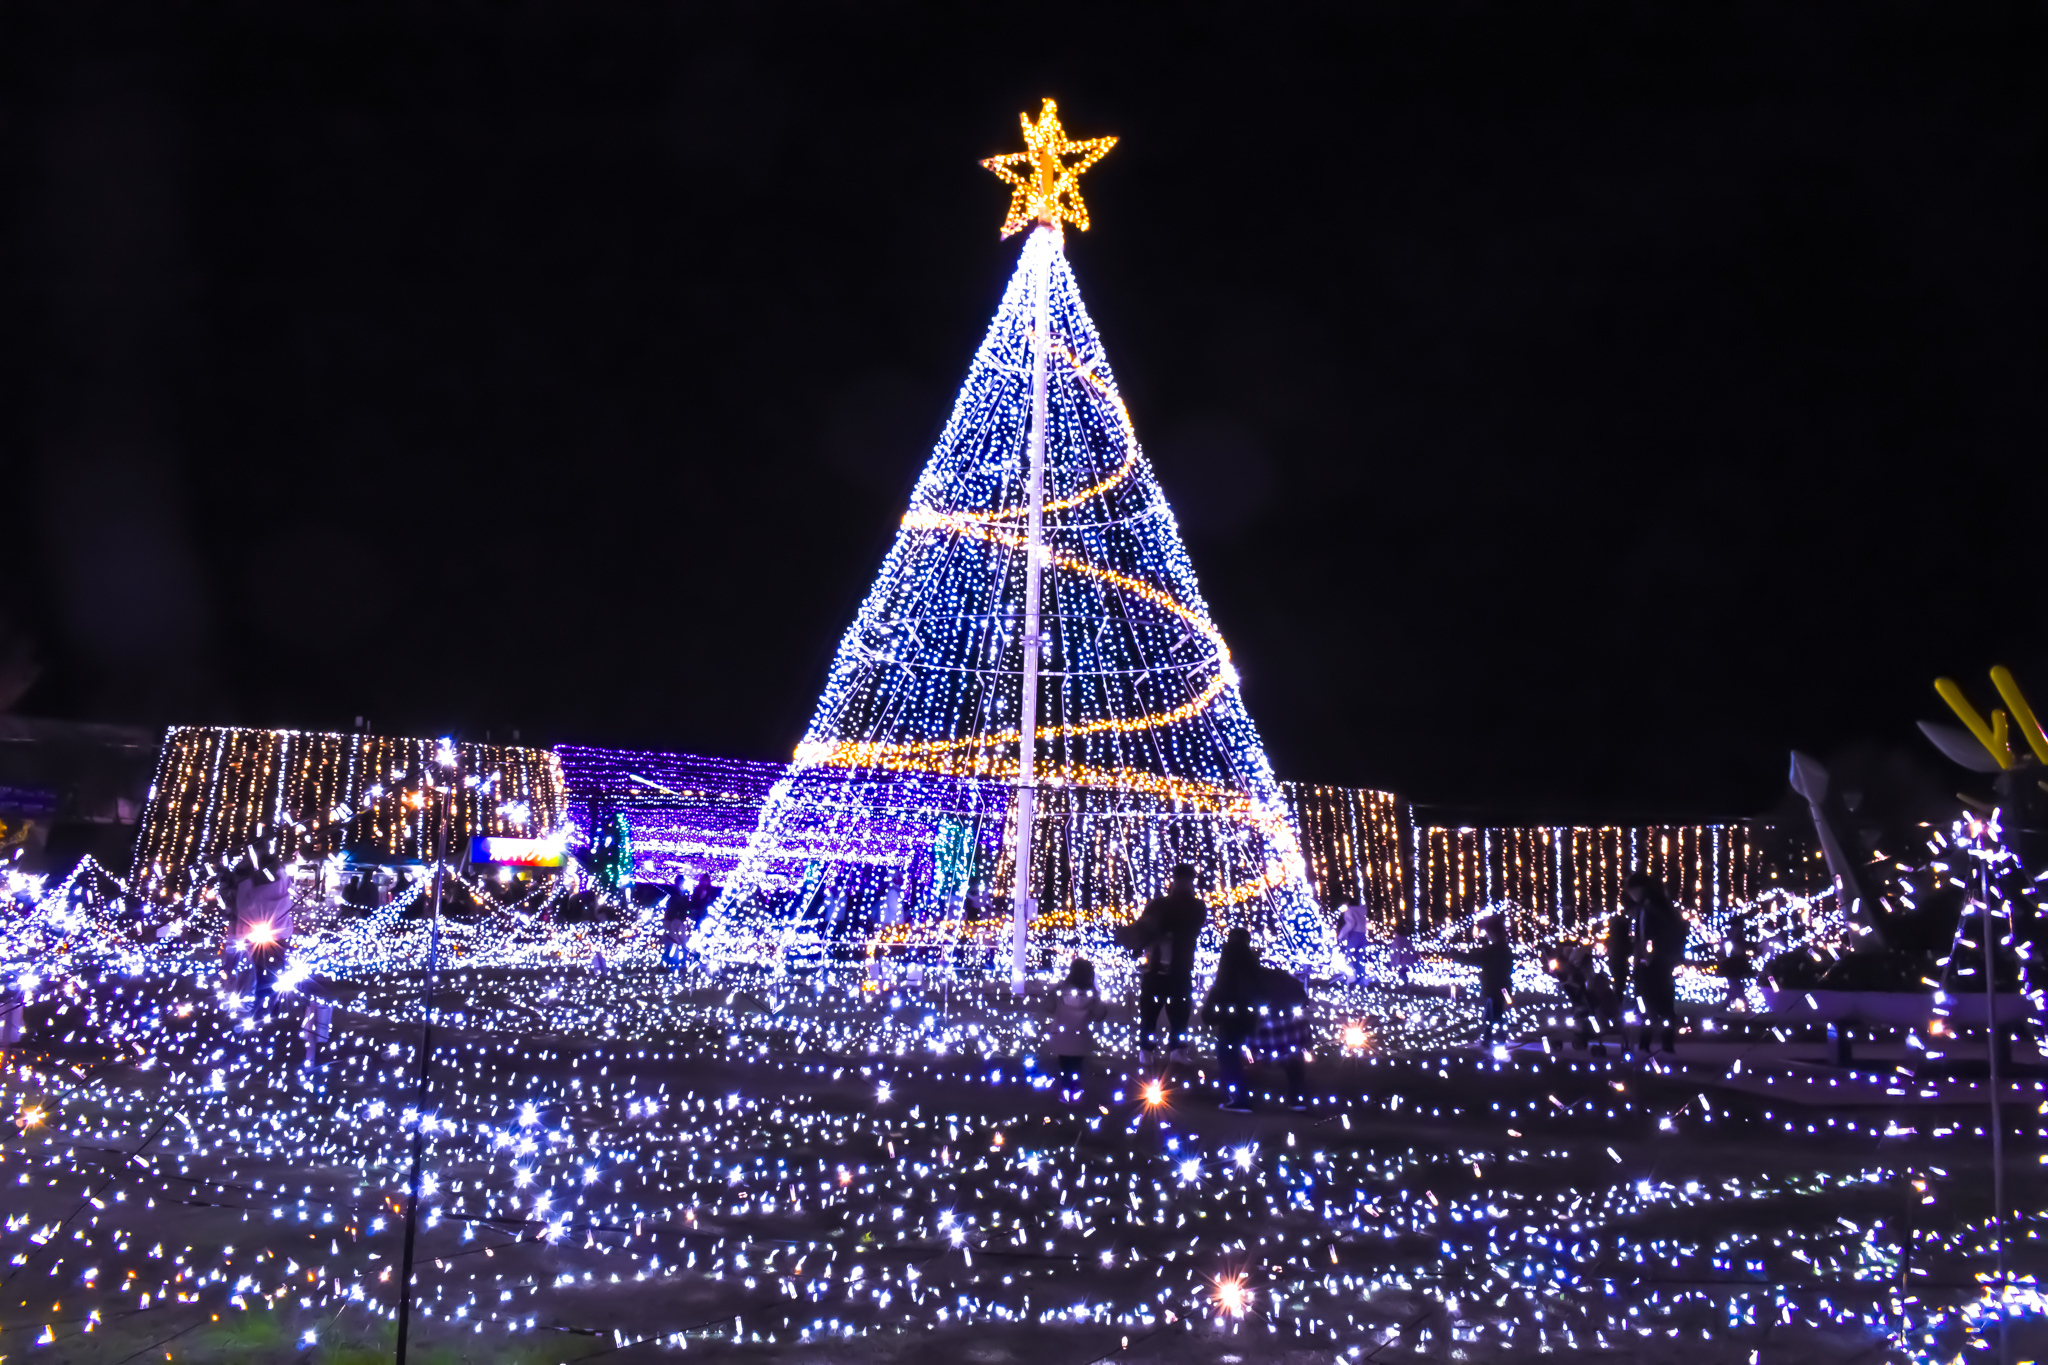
[[896, 825]]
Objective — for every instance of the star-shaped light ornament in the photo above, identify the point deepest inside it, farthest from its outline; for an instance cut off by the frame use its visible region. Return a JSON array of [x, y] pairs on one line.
[[1047, 184]]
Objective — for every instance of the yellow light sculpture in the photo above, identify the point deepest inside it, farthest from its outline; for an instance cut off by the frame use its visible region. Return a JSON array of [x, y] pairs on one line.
[[1045, 187], [2023, 714], [1996, 734], [1992, 735]]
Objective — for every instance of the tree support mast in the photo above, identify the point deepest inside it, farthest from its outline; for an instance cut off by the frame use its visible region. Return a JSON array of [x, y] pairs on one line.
[[1034, 567]]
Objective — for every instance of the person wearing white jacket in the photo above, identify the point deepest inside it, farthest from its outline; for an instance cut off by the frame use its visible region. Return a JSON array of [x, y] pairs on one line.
[[1074, 1017]]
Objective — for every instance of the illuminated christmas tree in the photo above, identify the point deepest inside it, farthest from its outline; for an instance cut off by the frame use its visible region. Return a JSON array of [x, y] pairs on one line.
[[611, 851], [1039, 572]]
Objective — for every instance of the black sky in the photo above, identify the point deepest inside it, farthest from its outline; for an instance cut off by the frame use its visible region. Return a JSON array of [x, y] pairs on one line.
[[1569, 405]]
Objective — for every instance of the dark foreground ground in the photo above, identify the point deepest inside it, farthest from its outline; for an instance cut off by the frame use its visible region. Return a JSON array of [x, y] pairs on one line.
[[633, 1167]]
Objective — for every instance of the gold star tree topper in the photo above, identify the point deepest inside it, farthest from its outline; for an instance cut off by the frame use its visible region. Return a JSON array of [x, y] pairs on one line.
[[1046, 186]]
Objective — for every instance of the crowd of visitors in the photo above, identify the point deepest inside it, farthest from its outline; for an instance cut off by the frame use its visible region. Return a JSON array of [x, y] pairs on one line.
[[1260, 1013], [682, 912]]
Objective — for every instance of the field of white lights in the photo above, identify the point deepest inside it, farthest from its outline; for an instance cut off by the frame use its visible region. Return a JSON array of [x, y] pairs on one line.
[[628, 1163]]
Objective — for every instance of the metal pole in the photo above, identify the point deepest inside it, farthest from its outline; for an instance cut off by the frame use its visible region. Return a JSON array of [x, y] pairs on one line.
[[1997, 1125], [1045, 243], [421, 1087]]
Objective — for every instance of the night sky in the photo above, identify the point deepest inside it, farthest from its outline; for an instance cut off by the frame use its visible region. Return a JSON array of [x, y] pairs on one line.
[[1570, 407]]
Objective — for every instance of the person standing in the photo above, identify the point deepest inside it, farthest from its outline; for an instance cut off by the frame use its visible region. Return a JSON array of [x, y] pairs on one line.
[[1621, 949], [1590, 997], [1401, 954], [1660, 933], [1354, 936], [1259, 1009], [13, 1015], [317, 1025], [1166, 934], [675, 925], [1737, 963], [1496, 962], [1074, 1017], [263, 923]]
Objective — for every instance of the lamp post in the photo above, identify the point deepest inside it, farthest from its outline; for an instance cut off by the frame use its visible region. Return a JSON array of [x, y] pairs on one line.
[[1997, 1123], [422, 1087]]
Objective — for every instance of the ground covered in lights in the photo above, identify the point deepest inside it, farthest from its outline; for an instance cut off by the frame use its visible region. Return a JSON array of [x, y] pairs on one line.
[[636, 1166]]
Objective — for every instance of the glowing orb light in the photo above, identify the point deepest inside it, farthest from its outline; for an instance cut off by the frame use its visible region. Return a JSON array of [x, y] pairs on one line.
[[1233, 1296]]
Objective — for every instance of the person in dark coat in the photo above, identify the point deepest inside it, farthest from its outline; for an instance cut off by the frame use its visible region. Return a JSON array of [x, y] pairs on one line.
[[1259, 1009], [1738, 965], [1495, 959], [263, 924], [1621, 948], [675, 925], [1166, 934], [1586, 991], [1660, 931]]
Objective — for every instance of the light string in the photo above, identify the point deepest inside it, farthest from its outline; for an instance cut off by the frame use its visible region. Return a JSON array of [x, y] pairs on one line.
[[219, 791]]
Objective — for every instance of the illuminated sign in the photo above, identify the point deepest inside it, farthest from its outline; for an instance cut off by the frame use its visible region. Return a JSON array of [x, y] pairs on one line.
[[516, 852]]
